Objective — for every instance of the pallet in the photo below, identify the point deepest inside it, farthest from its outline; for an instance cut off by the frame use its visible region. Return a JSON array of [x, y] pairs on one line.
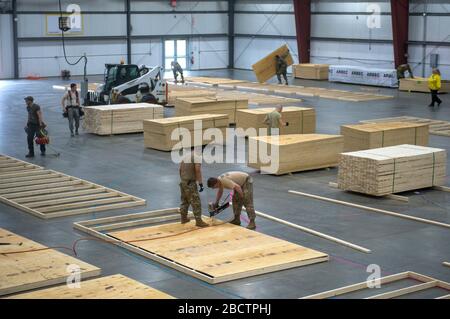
[[50, 194], [215, 254], [425, 283], [110, 287], [441, 128], [30, 270]]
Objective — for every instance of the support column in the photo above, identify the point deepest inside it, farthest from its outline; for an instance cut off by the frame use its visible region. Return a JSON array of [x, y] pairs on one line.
[[128, 11], [400, 29], [15, 40], [231, 4], [302, 12]]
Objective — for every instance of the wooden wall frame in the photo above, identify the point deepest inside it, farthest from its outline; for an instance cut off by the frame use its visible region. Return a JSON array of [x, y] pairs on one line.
[[50, 194], [426, 283]]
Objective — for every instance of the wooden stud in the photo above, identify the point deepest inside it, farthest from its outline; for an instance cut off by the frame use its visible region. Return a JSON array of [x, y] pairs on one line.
[[371, 209], [313, 232], [442, 188], [89, 203], [390, 196], [62, 195], [70, 199], [405, 291], [446, 263]]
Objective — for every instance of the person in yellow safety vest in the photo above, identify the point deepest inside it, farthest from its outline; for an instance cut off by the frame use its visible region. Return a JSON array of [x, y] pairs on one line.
[[434, 83]]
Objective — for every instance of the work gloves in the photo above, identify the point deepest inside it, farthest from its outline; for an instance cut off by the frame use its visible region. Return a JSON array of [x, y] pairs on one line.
[[200, 187]]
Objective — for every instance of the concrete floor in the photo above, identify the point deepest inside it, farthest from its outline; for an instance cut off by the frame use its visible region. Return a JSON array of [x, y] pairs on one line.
[[121, 162]]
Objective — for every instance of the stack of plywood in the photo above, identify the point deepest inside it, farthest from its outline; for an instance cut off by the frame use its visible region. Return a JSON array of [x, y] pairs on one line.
[[174, 95], [419, 84], [266, 68], [158, 133], [311, 71], [296, 152], [210, 105], [119, 118], [374, 135], [300, 120], [393, 169]]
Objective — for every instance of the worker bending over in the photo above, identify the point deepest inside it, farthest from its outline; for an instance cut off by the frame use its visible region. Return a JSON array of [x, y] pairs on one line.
[[281, 67], [176, 68], [274, 121], [242, 186], [401, 70], [190, 175]]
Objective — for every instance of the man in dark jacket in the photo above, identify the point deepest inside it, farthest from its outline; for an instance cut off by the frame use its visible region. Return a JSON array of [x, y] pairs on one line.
[[281, 67], [34, 124]]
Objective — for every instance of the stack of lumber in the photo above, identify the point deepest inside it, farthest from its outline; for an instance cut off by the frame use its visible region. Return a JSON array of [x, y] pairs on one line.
[[437, 127], [212, 81], [419, 84], [311, 71], [119, 118], [265, 68], [296, 152], [374, 135], [210, 105], [301, 120], [158, 133], [393, 169], [173, 95]]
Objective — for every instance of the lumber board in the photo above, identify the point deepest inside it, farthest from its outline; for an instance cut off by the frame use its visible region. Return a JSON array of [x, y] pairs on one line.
[[311, 71], [420, 84], [375, 135], [426, 283], [446, 263], [296, 152], [265, 68], [109, 287], [389, 196], [372, 209], [36, 269], [120, 118], [214, 254], [393, 169], [300, 120], [52, 194], [168, 134]]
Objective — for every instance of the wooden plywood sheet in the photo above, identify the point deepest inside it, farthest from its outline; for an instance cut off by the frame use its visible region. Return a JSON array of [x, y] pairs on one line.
[[311, 71], [301, 120], [436, 127], [110, 287], [266, 68], [221, 253], [49, 194], [296, 152], [25, 271], [375, 135]]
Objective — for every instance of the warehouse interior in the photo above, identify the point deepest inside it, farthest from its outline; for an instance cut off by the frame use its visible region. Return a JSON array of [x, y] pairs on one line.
[[357, 235]]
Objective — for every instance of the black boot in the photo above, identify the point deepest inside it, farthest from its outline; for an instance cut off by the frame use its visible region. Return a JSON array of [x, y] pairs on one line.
[[236, 221]]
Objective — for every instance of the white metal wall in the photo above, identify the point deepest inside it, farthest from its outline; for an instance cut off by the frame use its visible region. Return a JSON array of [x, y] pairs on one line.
[[6, 47], [337, 23], [45, 57]]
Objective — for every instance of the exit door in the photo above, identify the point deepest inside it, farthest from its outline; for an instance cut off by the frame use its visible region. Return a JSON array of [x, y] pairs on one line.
[[175, 50]]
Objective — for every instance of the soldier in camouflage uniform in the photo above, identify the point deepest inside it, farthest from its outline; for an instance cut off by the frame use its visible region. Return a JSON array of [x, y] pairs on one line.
[[242, 185], [190, 174], [281, 67]]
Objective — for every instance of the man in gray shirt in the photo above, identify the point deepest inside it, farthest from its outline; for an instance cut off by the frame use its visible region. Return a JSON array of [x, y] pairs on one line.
[[34, 123]]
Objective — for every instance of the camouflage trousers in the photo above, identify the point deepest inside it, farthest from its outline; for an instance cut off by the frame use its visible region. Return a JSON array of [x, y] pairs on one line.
[[246, 201], [190, 197]]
